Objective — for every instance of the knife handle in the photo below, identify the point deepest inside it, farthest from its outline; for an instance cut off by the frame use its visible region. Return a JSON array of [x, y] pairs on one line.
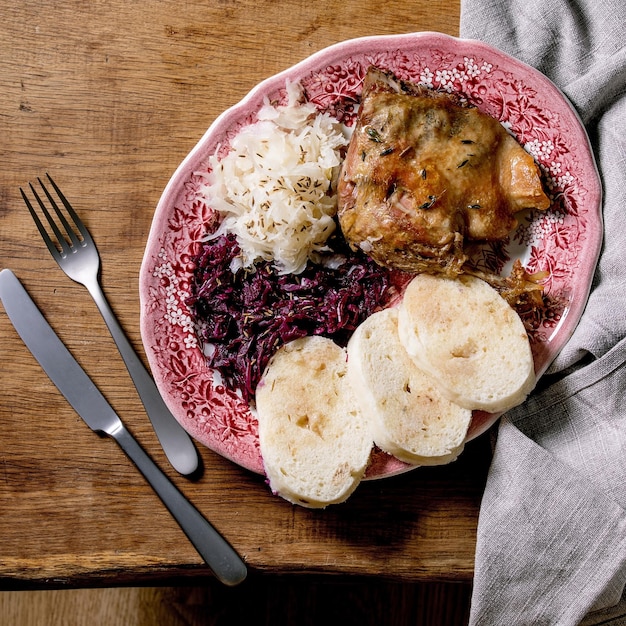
[[219, 555]]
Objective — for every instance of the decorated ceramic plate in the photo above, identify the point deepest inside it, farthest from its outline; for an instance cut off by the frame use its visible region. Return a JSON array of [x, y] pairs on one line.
[[563, 241]]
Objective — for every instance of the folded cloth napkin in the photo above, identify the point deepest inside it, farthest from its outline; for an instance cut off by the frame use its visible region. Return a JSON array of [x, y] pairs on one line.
[[551, 545]]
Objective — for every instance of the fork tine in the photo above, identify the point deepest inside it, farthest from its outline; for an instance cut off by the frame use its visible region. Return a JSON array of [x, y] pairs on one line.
[[62, 239], [66, 225], [56, 253], [82, 229]]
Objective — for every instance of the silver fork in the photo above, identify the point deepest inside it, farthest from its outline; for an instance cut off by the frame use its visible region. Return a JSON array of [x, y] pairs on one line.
[[76, 254]]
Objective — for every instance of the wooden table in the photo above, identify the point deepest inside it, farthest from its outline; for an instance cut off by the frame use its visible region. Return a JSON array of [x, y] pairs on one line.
[[109, 98]]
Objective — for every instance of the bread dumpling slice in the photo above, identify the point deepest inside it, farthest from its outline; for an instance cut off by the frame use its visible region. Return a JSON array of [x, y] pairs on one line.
[[314, 440], [410, 418], [465, 335]]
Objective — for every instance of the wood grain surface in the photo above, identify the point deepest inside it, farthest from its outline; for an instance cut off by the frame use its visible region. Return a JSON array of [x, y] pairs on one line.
[[109, 97], [269, 601]]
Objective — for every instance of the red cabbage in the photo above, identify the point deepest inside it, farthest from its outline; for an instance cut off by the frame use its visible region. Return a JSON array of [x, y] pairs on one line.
[[248, 315]]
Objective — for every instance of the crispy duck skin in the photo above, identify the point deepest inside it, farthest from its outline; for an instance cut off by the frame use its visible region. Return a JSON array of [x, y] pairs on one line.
[[425, 175]]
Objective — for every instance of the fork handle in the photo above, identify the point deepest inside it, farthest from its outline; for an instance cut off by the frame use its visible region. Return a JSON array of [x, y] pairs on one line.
[[175, 441], [219, 555]]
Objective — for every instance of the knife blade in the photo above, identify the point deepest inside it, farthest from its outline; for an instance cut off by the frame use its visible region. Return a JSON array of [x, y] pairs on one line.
[[80, 391]]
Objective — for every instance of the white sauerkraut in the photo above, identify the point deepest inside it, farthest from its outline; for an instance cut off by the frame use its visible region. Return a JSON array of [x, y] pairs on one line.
[[276, 187]]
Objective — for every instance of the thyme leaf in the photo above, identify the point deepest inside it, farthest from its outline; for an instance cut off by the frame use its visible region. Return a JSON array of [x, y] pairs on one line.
[[429, 204], [373, 134]]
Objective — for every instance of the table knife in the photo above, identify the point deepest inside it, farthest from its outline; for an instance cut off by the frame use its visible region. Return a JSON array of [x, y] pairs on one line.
[[80, 391]]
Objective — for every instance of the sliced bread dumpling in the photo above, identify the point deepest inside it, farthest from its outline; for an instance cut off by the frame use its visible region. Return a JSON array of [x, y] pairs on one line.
[[314, 440], [465, 335], [410, 418]]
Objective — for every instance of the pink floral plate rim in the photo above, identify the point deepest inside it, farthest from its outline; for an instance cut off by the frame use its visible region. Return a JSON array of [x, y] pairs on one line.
[[564, 241]]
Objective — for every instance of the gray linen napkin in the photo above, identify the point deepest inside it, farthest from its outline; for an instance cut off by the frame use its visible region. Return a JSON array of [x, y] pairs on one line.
[[552, 530]]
